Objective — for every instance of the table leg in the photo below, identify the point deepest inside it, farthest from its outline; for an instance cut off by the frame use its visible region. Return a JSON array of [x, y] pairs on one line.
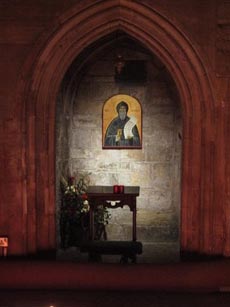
[[134, 223], [91, 224]]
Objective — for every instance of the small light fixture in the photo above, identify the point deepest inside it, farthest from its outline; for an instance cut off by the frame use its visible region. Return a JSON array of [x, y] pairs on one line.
[[119, 63], [4, 245]]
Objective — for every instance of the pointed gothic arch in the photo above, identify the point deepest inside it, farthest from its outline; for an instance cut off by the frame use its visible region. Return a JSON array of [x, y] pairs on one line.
[[54, 53]]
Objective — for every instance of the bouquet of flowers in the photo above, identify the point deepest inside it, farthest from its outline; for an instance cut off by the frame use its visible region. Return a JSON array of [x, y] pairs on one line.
[[74, 213], [74, 195], [74, 218]]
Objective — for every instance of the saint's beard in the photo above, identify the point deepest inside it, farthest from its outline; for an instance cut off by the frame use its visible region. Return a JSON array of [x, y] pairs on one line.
[[122, 115]]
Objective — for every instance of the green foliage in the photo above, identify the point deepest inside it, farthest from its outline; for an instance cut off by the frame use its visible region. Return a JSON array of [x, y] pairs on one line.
[[74, 212], [102, 215]]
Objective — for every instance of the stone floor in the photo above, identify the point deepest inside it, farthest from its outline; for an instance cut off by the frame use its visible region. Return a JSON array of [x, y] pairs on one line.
[[152, 253]]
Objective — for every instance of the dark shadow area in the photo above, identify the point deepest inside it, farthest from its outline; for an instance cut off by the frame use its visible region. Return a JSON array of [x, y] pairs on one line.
[[197, 257], [59, 298]]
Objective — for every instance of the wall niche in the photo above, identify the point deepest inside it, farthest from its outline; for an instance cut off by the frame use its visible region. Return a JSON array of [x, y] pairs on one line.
[[156, 168]]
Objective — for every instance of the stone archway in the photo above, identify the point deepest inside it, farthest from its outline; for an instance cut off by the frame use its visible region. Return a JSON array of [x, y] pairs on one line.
[[75, 31]]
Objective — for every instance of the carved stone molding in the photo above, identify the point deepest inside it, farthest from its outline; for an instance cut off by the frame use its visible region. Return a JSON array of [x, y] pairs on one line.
[[223, 40]]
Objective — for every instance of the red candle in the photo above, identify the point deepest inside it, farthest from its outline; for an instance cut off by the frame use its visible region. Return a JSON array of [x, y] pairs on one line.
[[121, 189], [116, 189]]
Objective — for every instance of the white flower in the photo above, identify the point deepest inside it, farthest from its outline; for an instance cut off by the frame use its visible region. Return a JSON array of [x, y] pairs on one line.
[[85, 207]]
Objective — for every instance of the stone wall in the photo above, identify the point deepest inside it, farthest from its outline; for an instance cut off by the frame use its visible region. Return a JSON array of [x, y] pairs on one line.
[[155, 167]]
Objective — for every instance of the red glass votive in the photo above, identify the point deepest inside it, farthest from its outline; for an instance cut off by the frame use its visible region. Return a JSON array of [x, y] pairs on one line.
[[121, 189], [116, 189]]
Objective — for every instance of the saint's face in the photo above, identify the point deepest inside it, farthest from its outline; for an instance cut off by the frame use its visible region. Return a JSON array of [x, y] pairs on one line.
[[122, 112]]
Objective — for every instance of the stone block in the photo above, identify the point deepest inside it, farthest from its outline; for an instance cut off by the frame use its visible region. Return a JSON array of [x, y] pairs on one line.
[[78, 140], [136, 154], [160, 120], [158, 153], [141, 174], [83, 121], [121, 216], [104, 178], [142, 203], [119, 232], [101, 90], [156, 218], [158, 234]]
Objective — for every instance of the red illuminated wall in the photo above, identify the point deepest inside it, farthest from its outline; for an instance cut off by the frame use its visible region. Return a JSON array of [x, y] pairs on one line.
[[40, 39]]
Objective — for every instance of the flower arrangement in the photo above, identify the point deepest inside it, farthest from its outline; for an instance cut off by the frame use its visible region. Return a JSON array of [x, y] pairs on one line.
[[74, 212], [74, 196]]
